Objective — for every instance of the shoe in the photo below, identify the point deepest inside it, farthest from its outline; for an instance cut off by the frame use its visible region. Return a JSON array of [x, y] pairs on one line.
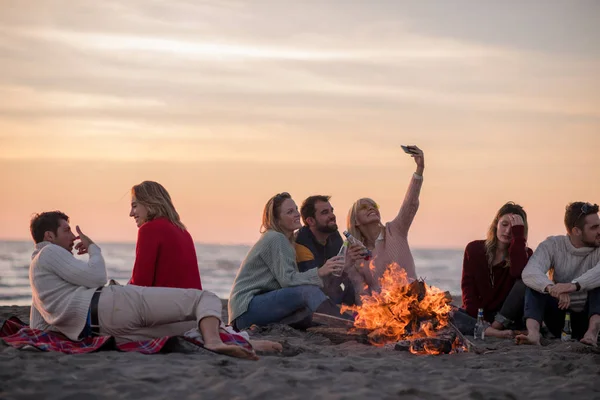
[[330, 308], [298, 319]]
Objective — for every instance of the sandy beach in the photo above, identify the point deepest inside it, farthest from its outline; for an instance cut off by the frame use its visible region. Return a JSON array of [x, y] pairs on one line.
[[310, 367]]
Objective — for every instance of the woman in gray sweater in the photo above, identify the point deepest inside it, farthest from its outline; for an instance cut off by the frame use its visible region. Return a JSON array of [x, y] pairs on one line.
[[268, 287]]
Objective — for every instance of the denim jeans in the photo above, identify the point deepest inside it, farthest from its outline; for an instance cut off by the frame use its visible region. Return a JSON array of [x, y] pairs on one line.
[[511, 313], [543, 307], [274, 306]]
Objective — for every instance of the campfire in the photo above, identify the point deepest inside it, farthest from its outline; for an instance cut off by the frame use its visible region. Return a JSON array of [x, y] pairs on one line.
[[413, 315]]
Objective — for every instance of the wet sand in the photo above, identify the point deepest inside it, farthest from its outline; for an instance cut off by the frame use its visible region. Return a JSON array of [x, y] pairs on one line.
[[310, 367]]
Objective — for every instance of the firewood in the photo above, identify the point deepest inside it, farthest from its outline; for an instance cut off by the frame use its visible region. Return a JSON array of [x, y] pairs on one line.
[[342, 335], [421, 345], [331, 321]]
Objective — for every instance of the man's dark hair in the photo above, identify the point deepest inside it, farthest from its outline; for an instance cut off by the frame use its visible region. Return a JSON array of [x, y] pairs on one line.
[[307, 210], [576, 212], [46, 221]]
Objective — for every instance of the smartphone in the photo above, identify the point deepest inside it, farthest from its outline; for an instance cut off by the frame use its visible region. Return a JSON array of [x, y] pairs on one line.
[[407, 149]]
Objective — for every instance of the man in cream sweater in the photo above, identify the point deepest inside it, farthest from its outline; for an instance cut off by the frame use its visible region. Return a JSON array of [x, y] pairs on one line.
[[69, 296], [564, 274]]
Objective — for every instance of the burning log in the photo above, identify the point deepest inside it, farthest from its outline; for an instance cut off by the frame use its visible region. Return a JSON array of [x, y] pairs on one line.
[[431, 345], [442, 343], [412, 314]]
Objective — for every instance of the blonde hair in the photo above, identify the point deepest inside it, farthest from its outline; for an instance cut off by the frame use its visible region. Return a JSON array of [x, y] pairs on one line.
[[270, 219], [491, 241], [156, 199], [352, 223]]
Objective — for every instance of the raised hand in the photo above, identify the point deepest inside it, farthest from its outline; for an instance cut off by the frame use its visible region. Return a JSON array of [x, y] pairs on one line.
[[419, 157], [515, 219], [83, 246]]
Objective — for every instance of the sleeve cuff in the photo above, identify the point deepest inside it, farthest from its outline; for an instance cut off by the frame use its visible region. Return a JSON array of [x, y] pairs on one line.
[[417, 176], [316, 278], [518, 231]]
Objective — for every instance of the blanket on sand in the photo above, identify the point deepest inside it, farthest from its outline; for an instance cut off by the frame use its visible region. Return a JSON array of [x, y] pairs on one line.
[[17, 334]]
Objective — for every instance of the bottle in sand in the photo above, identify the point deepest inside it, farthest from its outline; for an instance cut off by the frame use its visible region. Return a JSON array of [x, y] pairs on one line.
[[366, 253], [479, 331], [341, 253], [565, 335]]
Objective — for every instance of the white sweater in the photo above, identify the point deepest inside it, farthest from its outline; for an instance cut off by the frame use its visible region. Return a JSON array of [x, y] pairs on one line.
[[556, 260], [62, 288]]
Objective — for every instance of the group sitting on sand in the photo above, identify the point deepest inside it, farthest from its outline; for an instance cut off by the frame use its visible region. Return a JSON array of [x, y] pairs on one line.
[[294, 271]]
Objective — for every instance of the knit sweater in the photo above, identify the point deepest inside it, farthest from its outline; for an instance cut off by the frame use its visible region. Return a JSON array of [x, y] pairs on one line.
[[62, 288], [269, 265], [556, 260], [165, 256]]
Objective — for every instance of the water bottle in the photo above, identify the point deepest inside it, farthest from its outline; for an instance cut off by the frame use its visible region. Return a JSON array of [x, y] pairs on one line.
[[366, 253], [565, 335], [479, 331], [341, 253]]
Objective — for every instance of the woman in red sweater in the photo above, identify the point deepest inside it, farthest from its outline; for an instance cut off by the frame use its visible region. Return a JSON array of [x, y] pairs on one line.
[[491, 276], [165, 254]]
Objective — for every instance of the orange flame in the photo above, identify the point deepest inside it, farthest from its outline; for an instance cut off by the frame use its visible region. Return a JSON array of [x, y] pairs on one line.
[[402, 310]]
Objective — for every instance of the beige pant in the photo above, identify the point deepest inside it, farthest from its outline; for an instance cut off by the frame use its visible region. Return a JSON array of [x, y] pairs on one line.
[[132, 313]]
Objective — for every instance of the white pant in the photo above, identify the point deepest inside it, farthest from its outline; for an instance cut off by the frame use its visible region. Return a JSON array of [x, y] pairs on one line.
[[133, 313]]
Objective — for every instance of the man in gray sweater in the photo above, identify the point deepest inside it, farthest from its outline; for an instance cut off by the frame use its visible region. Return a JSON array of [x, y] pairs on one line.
[[564, 275]]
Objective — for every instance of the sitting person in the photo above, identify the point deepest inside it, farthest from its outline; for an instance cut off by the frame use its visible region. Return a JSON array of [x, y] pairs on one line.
[[389, 242], [165, 255], [491, 276], [318, 241], [574, 281], [268, 287], [69, 296]]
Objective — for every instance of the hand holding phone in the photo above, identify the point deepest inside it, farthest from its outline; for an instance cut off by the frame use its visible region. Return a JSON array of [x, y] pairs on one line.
[[417, 154], [408, 149]]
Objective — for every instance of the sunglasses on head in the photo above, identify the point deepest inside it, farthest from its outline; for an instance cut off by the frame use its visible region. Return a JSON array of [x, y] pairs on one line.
[[586, 209], [366, 206]]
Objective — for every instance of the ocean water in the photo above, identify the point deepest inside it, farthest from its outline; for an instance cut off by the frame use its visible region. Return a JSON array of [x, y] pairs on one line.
[[218, 266]]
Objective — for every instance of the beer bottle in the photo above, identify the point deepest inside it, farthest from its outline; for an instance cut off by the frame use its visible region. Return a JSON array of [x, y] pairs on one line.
[[565, 335]]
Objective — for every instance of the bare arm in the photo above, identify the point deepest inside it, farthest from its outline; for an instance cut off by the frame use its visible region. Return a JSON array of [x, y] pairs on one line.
[[401, 224]]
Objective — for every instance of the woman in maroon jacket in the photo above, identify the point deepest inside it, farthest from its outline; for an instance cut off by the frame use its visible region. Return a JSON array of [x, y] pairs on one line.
[[165, 254], [491, 276]]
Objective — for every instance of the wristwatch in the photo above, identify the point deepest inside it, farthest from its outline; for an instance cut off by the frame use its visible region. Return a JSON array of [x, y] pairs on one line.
[[577, 285]]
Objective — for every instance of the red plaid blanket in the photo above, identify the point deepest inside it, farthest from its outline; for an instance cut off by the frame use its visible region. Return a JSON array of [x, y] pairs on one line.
[[17, 334]]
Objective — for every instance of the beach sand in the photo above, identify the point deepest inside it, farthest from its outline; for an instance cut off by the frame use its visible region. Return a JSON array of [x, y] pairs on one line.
[[310, 367]]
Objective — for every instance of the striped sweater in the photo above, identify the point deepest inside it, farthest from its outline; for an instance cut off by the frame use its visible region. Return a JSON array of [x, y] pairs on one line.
[[269, 265], [392, 245], [62, 288], [556, 260]]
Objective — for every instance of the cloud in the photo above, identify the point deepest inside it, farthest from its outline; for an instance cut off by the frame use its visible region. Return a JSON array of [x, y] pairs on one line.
[[184, 68]]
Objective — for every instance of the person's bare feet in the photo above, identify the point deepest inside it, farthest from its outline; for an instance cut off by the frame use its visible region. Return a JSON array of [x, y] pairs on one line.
[[231, 350], [590, 339], [267, 346], [493, 332], [530, 338]]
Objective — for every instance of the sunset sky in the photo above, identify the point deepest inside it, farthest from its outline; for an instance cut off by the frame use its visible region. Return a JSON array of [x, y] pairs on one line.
[[227, 103]]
